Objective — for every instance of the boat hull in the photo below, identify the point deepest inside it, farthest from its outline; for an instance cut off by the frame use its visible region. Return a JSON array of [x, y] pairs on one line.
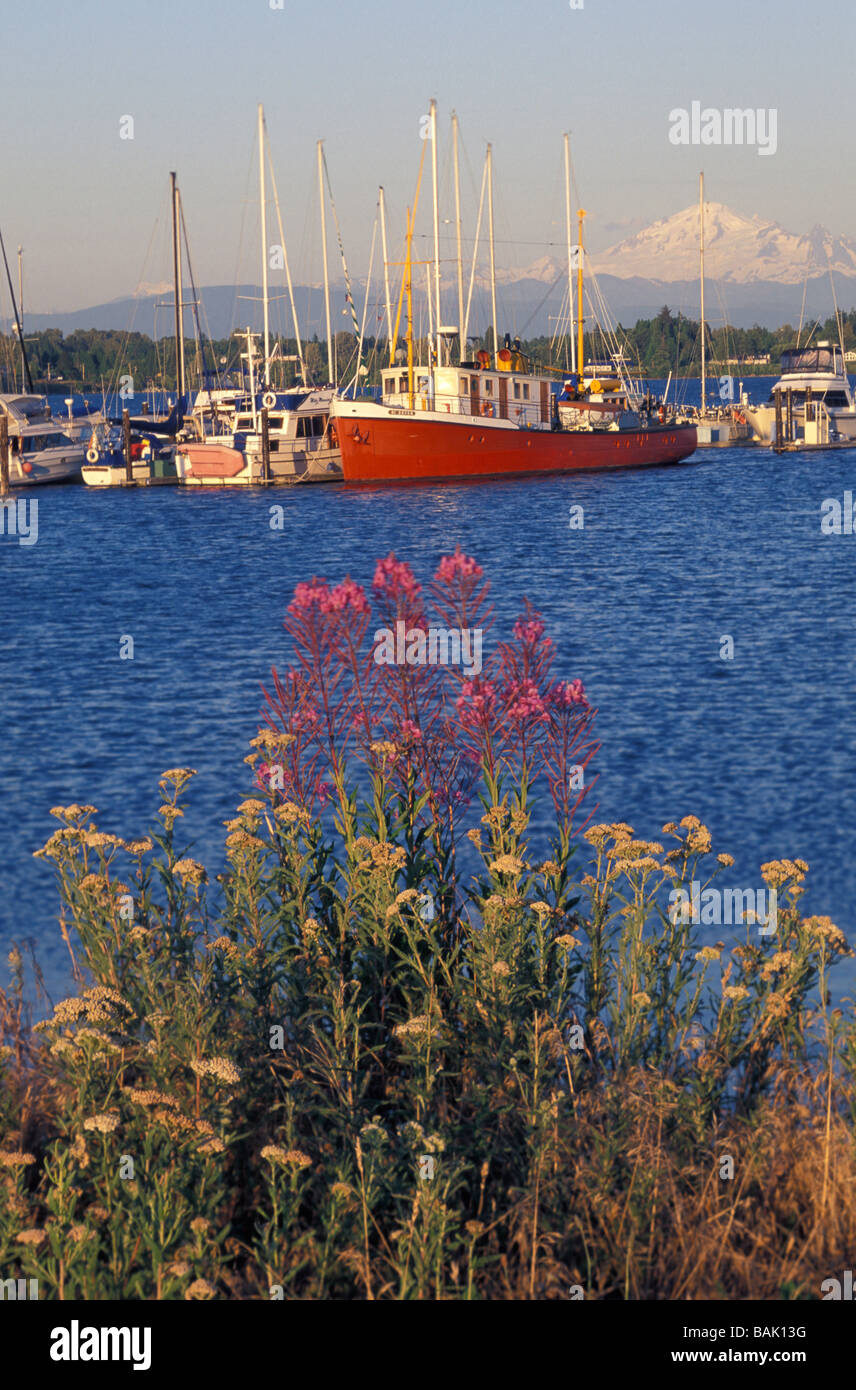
[[220, 465], [385, 447]]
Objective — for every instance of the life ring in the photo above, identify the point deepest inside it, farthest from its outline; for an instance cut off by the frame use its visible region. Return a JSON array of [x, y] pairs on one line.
[[92, 455], [269, 400], [488, 408], [483, 358]]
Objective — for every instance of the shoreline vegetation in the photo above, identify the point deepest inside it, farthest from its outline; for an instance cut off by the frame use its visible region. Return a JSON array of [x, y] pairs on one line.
[[373, 1074], [82, 360]]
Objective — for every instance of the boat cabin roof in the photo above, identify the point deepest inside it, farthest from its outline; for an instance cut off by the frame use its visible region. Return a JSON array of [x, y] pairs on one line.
[[25, 409], [824, 358]]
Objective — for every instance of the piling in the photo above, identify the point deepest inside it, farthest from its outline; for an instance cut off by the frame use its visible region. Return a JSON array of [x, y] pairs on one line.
[[265, 446], [789, 415], [778, 426], [4, 456], [126, 431]]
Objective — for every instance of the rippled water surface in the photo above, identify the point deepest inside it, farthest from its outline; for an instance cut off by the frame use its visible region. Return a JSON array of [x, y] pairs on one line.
[[668, 563]]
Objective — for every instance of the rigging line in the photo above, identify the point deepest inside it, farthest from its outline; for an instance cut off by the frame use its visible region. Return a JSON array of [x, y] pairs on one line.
[[365, 306], [199, 333], [241, 231], [287, 269], [24, 357], [348, 295], [466, 323], [111, 380]]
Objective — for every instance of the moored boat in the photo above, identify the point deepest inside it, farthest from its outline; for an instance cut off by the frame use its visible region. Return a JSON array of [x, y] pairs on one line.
[[812, 405], [39, 451], [482, 423]]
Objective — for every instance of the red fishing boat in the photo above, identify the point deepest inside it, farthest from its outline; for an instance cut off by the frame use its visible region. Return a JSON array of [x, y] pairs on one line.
[[470, 421], [494, 415]]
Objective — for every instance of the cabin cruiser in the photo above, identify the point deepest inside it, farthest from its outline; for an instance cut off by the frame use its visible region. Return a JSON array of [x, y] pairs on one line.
[[302, 443], [39, 450], [813, 397]]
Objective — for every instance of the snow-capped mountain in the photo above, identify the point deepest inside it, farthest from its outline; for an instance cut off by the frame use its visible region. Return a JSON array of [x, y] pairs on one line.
[[743, 250]]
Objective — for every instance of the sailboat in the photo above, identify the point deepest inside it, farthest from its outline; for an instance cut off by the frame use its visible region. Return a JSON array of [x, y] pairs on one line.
[[269, 436], [723, 425], [490, 415]]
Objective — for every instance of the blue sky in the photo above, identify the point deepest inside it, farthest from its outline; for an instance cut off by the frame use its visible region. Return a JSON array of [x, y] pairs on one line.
[[88, 206]]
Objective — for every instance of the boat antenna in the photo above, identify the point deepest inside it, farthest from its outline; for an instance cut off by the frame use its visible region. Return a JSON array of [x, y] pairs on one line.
[[17, 318]]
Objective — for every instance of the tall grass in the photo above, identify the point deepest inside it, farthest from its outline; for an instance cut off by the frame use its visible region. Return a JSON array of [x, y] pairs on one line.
[[370, 1070]]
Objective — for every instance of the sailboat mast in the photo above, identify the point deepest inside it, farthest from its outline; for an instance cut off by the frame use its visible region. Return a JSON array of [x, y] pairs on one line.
[[21, 305], [701, 277], [409, 291], [433, 110], [263, 212], [570, 252], [382, 203], [492, 254], [176, 268], [580, 359], [18, 323], [462, 346], [324, 257]]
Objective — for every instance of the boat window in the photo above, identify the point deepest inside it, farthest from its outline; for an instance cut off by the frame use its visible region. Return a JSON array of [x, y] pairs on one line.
[[836, 399], [808, 360], [465, 385], [318, 423], [488, 386], [526, 390], [275, 422], [517, 390]]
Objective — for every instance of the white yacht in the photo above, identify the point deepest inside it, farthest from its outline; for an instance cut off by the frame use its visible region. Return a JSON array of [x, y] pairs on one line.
[[813, 399], [303, 445], [39, 450]]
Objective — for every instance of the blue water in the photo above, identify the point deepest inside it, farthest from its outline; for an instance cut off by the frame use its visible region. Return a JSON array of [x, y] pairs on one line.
[[670, 561]]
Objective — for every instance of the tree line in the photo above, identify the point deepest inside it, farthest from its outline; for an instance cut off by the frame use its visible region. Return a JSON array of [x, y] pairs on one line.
[[86, 360]]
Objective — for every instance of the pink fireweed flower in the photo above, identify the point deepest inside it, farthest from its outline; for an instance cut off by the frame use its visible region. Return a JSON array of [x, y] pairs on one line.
[[346, 595], [394, 578], [409, 732], [529, 631], [268, 774], [311, 595], [565, 694], [305, 718], [453, 566], [525, 702], [476, 703]]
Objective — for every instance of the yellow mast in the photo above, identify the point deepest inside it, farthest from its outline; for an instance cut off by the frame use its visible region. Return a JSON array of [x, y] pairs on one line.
[[409, 284], [407, 288], [581, 214]]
